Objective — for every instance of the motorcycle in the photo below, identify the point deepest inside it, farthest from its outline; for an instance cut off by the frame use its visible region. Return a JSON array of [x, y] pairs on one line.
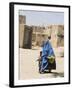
[[51, 62]]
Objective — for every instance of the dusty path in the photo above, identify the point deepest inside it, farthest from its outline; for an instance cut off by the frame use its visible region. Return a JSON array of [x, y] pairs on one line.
[[29, 66]]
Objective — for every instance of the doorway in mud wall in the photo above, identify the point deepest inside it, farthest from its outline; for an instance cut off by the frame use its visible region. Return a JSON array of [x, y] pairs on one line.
[[27, 44]]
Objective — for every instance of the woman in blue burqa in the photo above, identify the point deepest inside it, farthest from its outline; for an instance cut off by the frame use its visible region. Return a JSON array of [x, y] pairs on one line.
[[47, 51]]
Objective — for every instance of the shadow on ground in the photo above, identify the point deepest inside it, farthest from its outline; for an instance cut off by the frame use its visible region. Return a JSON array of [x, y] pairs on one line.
[[55, 74]]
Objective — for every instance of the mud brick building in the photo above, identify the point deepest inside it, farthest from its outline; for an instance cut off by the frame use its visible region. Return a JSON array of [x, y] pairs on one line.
[[57, 34], [22, 22], [32, 36]]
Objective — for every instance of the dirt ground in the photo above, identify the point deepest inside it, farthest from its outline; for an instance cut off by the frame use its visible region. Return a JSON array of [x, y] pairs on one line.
[[28, 65]]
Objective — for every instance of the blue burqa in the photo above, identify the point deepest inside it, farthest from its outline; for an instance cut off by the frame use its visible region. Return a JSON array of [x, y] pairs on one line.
[[47, 50]]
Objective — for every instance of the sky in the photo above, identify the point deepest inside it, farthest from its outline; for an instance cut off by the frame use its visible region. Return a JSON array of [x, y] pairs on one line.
[[42, 17]]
